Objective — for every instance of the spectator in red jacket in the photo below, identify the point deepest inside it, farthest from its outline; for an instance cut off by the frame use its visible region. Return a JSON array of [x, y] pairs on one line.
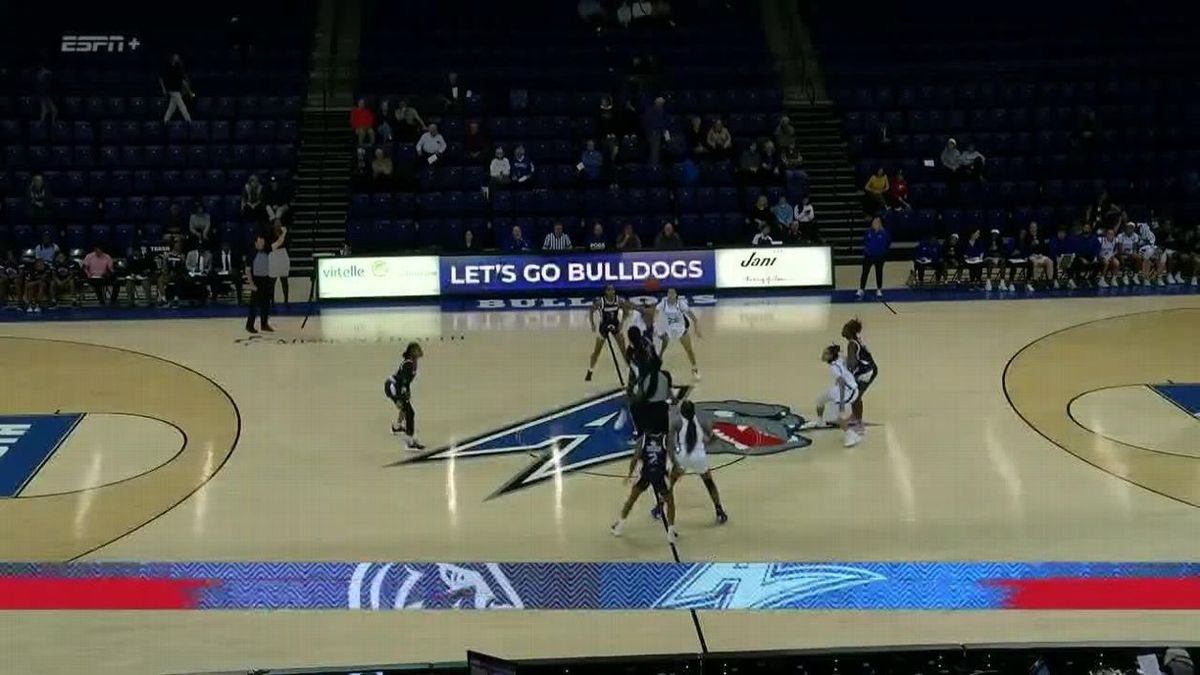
[[362, 121], [898, 192]]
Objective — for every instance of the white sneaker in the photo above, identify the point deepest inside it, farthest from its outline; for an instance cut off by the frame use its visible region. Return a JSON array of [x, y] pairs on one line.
[[1162, 282], [1137, 280], [672, 535], [617, 528], [987, 285], [1102, 283], [1195, 280], [1057, 285], [812, 424], [852, 438], [622, 419], [1028, 288], [1071, 284], [859, 294], [878, 292]]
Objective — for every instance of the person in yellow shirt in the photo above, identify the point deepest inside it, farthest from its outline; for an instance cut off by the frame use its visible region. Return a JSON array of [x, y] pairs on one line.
[[876, 188]]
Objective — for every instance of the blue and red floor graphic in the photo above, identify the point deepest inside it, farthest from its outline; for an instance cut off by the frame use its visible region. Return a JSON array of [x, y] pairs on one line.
[[602, 586]]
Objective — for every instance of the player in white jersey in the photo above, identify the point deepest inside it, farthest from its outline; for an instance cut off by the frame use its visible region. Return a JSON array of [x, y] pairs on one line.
[[842, 393], [645, 318], [1110, 264], [677, 321], [1127, 253], [691, 434], [1149, 256]]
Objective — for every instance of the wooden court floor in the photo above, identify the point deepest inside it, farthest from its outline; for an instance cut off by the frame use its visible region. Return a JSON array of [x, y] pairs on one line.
[[1008, 430]]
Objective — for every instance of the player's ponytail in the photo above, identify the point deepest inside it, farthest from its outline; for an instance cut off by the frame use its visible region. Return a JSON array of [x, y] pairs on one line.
[[688, 410]]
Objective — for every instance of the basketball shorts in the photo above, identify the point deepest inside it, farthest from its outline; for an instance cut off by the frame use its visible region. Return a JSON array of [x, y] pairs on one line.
[[695, 461]]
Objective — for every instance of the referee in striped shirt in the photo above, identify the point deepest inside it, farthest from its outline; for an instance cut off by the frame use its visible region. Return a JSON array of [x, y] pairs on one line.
[[556, 240]]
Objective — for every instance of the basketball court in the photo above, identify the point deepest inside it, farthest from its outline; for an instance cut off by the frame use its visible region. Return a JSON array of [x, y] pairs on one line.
[[1000, 431]]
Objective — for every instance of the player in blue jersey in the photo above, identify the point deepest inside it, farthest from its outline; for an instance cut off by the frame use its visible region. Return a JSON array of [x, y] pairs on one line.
[[398, 389]]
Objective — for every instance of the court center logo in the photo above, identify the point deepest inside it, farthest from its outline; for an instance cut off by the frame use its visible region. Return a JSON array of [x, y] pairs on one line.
[[587, 434]]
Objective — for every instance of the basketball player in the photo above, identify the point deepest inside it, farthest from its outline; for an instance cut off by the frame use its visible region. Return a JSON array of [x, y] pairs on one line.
[[398, 388], [862, 365], [677, 320], [62, 280], [843, 392], [654, 454], [690, 457], [645, 319], [1110, 263], [1127, 255], [613, 310]]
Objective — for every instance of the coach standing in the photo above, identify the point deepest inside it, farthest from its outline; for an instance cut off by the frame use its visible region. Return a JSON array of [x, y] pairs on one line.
[[876, 243], [260, 278]]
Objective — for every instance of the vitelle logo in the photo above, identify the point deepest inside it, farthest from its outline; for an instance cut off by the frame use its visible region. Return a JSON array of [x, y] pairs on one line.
[[755, 260], [89, 44], [349, 272]]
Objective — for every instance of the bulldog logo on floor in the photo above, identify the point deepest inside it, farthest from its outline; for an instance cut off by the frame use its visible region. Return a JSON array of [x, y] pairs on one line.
[[585, 435]]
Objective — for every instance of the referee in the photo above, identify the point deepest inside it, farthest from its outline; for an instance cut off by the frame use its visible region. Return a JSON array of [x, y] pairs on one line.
[[260, 281], [557, 240]]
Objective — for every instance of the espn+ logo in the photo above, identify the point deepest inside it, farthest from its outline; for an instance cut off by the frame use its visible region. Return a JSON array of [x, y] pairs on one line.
[[95, 44]]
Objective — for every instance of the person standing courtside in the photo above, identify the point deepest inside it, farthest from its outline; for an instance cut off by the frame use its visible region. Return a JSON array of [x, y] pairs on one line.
[[260, 278]]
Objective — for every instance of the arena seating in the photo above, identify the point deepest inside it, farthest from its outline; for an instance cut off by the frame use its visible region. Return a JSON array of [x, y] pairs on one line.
[[113, 166], [1020, 86], [713, 63]]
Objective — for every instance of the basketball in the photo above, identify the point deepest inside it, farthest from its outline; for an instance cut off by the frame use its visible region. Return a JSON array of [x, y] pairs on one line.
[[651, 284]]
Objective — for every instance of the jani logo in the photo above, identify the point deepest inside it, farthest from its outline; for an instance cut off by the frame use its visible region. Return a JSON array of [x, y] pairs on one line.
[[584, 434], [89, 44], [755, 260]]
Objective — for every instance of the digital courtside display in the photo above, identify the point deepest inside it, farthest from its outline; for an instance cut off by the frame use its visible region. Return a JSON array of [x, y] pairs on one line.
[[501, 275]]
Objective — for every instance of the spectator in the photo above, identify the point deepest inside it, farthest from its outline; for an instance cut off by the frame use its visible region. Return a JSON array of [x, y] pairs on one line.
[[694, 136], [522, 166], [10, 279], [785, 133], [591, 162], [362, 121], [973, 258], [750, 163], [606, 118], [876, 243], [61, 280], [596, 240], [43, 89], [98, 268], [1177, 661], [500, 170], [1039, 261], [927, 256], [763, 237], [453, 93], [253, 208], [431, 145], [951, 158], [39, 199], [140, 268], [468, 242], [897, 195], [629, 241], [668, 238], [972, 163], [784, 213], [994, 259], [384, 122], [952, 254], [760, 213], [1086, 266], [382, 168], [176, 224], [793, 235], [1061, 250], [198, 266], [771, 169], [877, 186], [1019, 251], [517, 242], [277, 201], [791, 158], [46, 249], [175, 85], [557, 240], [36, 282], [475, 144], [200, 225], [171, 274], [804, 213], [719, 140], [409, 125], [654, 123], [227, 271]]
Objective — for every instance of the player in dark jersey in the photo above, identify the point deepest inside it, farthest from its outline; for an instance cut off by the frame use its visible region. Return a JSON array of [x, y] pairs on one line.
[[656, 455], [63, 274], [35, 277], [612, 309], [398, 389], [861, 364]]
